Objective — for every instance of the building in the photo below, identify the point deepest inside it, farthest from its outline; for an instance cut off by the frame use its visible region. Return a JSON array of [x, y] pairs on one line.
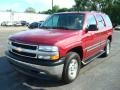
[[15, 16]]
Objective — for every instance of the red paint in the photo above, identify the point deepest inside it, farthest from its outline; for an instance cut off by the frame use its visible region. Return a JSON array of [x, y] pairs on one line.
[[66, 39]]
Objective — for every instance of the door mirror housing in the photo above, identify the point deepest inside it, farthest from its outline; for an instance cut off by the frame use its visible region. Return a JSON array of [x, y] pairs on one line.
[[92, 27]]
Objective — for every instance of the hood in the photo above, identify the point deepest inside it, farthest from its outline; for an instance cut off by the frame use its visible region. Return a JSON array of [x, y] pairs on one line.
[[42, 36]]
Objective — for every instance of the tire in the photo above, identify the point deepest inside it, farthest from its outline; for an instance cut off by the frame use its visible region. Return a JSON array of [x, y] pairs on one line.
[[71, 67], [107, 48]]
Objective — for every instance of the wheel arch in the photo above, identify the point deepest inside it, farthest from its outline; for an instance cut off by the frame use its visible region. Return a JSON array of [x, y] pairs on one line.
[[78, 50], [110, 38]]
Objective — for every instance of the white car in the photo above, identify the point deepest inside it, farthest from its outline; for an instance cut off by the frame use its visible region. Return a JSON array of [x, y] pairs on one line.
[[9, 23], [17, 23], [117, 27], [6, 23]]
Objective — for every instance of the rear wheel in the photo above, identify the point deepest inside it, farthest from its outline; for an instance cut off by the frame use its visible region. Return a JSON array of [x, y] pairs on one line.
[[107, 49], [71, 67]]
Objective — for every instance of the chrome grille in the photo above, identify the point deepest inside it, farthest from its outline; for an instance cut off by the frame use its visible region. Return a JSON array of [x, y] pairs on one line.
[[26, 46], [25, 50]]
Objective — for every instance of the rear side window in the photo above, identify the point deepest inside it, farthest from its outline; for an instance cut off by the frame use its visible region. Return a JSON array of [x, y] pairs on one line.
[[101, 23], [107, 20]]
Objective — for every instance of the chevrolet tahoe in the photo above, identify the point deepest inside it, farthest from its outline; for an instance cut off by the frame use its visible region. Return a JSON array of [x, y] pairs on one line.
[[63, 44]]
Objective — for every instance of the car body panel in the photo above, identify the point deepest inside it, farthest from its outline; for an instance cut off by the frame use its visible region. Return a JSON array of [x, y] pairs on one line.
[[87, 42]]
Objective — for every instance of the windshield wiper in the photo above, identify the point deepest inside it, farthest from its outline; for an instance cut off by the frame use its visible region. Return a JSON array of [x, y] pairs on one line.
[[60, 28], [45, 27]]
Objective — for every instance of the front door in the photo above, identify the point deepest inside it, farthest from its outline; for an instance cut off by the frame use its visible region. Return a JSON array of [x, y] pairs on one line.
[[92, 39]]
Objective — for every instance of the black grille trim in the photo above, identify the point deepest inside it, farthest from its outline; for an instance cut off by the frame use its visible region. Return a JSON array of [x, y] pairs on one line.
[[24, 53], [25, 46]]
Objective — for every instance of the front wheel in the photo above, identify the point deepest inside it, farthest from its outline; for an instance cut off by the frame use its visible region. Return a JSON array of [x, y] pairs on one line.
[[71, 67]]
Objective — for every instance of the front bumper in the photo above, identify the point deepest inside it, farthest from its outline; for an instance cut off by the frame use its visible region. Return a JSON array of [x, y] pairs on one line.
[[36, 67]]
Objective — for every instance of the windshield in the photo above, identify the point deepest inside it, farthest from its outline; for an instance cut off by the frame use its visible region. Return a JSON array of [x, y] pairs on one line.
[[70, 21]]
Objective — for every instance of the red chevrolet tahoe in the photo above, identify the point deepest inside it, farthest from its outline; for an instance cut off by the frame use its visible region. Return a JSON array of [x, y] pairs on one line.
[[64, 42]]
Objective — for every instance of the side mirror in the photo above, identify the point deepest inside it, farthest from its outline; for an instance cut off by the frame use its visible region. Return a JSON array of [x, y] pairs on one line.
[[92, 27]]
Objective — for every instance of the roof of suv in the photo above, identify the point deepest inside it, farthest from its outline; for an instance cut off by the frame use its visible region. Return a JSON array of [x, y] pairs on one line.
[[83, 12]]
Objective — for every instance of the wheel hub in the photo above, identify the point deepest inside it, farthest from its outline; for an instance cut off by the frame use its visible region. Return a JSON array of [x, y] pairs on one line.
[[73, 69]]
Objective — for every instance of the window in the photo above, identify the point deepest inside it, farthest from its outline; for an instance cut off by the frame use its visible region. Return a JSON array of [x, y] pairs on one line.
[[73, 21], [107, 20], [91, 20], [52, 22], [101, 23]]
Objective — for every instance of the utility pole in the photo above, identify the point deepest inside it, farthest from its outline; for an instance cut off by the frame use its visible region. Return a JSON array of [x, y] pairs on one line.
[[11, 16], [52, 5]]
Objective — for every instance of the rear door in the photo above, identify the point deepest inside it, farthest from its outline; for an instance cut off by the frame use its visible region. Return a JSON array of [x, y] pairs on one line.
[[102, 28]]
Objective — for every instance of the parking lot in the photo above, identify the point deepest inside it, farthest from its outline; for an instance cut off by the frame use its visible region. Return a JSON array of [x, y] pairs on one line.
[[101, 74]]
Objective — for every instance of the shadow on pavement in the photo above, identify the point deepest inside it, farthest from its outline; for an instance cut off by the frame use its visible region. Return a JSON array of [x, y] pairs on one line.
[[12, 80], [38, 83], [9, 78]]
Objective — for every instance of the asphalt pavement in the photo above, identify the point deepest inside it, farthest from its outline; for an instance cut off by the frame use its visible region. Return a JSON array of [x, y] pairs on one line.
[[101, 74]]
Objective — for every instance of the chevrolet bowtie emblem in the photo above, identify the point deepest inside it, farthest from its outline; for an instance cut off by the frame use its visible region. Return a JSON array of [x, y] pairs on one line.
[[19, 49]]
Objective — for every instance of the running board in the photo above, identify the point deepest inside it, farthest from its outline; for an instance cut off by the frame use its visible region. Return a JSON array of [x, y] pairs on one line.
[[92, 58]]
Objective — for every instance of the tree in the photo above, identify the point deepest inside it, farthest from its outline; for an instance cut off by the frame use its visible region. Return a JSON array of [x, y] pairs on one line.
[[63, 10], [55, 9], [30, 10], [9, 10], [81, 5], [47, 12], [110, 7]]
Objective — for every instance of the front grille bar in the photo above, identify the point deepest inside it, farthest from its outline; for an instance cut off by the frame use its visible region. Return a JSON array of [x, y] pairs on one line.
[[26, 46], [25, 50]]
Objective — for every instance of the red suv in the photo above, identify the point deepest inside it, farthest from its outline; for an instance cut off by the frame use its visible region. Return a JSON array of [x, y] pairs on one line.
[[64, 43]]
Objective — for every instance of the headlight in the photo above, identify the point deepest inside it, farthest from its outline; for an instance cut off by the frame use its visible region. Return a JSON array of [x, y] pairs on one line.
[[48, 52], [48, 48]]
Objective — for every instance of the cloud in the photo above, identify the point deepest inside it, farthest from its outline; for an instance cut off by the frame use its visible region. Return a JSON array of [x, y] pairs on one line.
[[13, 7], [38, 5], [64, 3], [38, 2], [47, 3]]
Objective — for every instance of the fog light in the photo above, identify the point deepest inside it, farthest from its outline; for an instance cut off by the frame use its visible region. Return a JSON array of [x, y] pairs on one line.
[[43, 57], [40, 57], [46, 57]]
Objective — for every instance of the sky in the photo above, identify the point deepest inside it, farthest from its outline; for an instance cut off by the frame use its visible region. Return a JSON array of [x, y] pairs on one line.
[[38, 5]]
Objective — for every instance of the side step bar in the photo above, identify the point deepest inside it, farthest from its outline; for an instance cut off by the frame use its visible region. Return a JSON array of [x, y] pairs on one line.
[[92, 58]]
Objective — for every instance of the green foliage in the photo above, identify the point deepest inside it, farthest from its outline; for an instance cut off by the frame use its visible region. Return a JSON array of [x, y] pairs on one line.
[[9, 10], [30, 10], [110, 7], [49, 11], [81, 5], [55, 9], [63, 10]]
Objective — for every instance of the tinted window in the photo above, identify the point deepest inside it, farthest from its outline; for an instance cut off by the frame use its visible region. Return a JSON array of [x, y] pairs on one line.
[[53, 21], [101, 23], [73, 21], [91, 20], [107, 20]]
